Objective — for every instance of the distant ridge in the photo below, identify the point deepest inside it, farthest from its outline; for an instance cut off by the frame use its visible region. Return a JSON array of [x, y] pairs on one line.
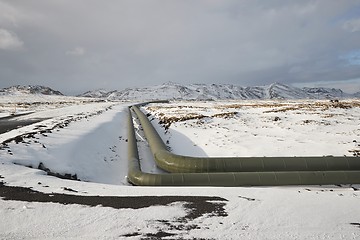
[[30, 89], [356, 95], [172, 90]]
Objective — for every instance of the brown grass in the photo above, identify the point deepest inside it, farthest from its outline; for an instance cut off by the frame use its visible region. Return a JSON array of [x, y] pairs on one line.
[[167, 121]]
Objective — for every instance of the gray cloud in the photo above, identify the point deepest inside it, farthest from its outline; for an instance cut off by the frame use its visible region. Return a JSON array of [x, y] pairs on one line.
[[78, 51], [9, 41], [84, 44], [352, 25]]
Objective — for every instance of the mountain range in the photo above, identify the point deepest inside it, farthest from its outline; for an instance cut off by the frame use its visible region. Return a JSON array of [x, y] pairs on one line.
[[172, 90], [219, 91]]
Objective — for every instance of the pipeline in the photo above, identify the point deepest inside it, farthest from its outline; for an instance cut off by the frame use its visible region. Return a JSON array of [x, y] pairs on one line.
[[177, 163], [276, 178]]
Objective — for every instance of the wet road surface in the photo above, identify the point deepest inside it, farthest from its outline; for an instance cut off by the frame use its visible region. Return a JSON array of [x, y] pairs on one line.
[[11, 122]]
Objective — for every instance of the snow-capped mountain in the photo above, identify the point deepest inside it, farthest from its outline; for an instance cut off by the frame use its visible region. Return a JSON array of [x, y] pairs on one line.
[[357, 94], [218, 91], [99, 93], [326, 92], [30, 89]]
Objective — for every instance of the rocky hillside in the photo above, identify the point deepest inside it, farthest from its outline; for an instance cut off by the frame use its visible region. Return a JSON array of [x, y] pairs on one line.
[[30, 89]]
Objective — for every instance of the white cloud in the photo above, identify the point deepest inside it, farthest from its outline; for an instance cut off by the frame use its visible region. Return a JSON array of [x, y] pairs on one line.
[[9, 40], [8, 14], [78, 51], [352, 25]]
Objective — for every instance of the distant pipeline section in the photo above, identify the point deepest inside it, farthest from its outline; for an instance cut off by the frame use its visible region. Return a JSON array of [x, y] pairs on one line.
[[229, 178]]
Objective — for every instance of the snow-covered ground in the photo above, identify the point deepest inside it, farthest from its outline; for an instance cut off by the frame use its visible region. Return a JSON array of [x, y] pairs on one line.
[[85, 139], [260, 128]]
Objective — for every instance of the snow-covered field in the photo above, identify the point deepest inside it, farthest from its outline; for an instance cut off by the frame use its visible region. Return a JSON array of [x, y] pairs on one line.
[[84, 139], [260, 128]]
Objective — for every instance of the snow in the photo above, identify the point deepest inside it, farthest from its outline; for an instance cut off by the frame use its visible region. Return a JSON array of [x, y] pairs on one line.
[[56, 221], [59, 149], [261, 128], [92, 144]]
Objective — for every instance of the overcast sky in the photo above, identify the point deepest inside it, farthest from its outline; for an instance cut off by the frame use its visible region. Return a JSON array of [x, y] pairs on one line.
[[79, 45]]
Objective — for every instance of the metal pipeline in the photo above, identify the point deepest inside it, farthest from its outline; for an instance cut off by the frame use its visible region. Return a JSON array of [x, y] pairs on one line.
[[276, 178], [178, 163]]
